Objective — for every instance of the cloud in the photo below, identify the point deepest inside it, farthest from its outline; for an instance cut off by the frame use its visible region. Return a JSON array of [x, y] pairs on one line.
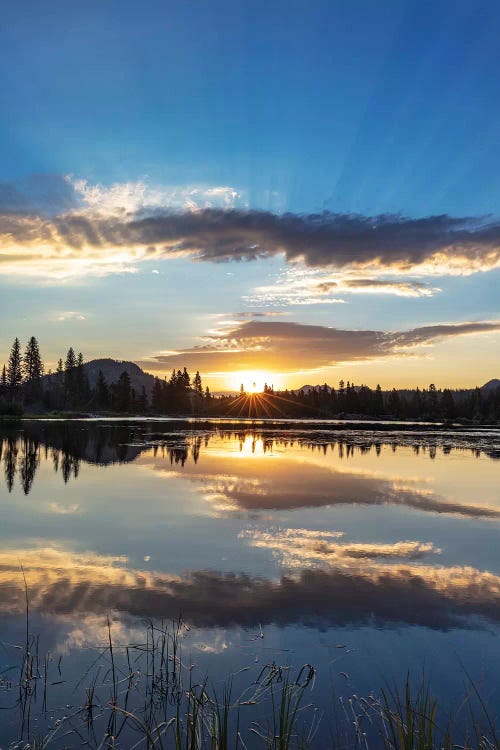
[[71, 227], [301, 547], [54, 195], [278, 489], [299, 285], [383, 286], [62, 509], [135, 198], [282, 346], [58, 227], [249, 315], [70, 584], [69, 315]]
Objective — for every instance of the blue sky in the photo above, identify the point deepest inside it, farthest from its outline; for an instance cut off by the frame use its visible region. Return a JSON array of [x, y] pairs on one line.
[[357, 108]]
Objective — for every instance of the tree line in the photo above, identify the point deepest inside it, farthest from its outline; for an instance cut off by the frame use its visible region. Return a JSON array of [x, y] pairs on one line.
[[349, 399], [181, 394], [24, 383]]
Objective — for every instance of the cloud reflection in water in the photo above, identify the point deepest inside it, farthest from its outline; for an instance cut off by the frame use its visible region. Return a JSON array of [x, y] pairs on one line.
[[67, 584]]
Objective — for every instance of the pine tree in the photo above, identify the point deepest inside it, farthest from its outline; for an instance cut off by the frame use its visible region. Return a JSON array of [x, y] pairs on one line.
[[70, 363], [81, 382], [394, 403], [69, 374], [33, 368], [32, 362], [416, 403], [3, 380], [156, 395], [197, 383], [123, 392], [101, 391], [14, 370], [432, 401], [142, 401], [59, 383], [447, 404], [340, 396]]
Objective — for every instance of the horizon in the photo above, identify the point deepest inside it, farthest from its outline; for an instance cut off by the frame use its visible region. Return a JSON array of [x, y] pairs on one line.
[[253, 200], [256, 380]]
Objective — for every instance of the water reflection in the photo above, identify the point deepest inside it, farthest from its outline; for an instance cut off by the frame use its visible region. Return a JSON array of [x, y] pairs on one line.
[[294, 508], [63, 583], [267, 541], [232, 485]]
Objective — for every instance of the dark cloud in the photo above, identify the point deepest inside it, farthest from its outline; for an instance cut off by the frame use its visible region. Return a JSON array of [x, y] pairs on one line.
[[355, 283], [260, 314], [287, 346], [459, 244], [321, 239]]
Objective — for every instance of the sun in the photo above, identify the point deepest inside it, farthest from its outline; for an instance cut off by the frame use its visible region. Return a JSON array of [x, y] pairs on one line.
[[252, 381]]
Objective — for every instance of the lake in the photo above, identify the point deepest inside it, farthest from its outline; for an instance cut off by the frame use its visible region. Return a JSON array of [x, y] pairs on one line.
[[366, 554]]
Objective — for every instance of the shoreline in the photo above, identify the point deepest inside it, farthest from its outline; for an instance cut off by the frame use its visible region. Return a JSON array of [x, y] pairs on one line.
[[207, 422]]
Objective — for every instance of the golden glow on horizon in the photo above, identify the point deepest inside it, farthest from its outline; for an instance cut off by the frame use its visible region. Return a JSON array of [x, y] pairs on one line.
[[253, 381], [463, 362]]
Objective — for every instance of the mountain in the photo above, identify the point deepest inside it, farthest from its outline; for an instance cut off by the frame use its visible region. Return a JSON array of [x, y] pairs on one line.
[[491, 385], [308, 388], [488, 387], [113, 368]]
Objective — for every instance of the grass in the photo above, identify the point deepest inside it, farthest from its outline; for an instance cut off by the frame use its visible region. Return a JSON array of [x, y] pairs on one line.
[[145, 695]]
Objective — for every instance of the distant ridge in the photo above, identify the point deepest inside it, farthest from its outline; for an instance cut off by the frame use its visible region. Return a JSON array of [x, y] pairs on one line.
[[113, 368], [491, 385], [308, 388]]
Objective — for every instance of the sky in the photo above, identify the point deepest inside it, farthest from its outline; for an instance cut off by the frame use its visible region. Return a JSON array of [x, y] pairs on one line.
[[290, 192]]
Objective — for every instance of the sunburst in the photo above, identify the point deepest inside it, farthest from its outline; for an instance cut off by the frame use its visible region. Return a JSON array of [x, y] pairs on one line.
[[251, 381]]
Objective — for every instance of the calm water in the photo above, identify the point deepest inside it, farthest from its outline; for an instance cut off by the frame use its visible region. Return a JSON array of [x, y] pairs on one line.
[[363, 554]]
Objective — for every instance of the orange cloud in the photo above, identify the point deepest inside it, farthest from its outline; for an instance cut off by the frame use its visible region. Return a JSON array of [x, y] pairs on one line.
[[280, 346]]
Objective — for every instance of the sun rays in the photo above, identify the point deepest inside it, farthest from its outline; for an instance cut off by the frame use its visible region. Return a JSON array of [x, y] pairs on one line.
[[260, 404], [251, 381]]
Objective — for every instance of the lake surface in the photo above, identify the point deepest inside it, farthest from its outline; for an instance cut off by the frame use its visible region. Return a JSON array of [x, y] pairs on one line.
[[364, 554]]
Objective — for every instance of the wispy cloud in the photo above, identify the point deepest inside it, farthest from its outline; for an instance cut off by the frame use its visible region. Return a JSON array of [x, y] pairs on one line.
[[63, 510], [134, 198], [66, 315], [69, 227], [280, 345], [300, 548], [300, 285]]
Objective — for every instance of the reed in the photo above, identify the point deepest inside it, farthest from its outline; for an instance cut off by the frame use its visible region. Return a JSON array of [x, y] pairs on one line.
[[146, 695]]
